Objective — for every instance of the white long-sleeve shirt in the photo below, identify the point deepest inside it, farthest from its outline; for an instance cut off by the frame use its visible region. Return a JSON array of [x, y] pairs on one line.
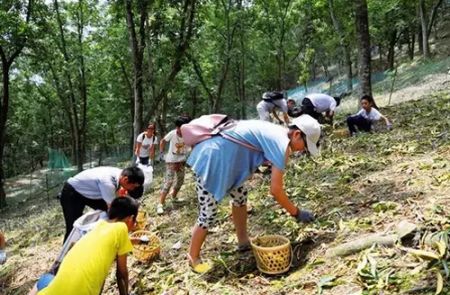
[[97, 183], [322, 102]]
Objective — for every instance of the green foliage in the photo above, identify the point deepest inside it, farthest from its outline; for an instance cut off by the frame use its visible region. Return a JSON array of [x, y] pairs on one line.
[[305, 63], [241, 48]]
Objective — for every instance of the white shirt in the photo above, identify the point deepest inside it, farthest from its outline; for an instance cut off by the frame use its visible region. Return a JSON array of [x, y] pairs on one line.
[[146, 143], [373, 115], [177, 149], [268, 106], [322, 102], [97, 183]]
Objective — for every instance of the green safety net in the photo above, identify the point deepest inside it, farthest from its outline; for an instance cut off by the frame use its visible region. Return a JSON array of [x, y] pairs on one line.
[[59, 168], [322, 85], [57, 159]]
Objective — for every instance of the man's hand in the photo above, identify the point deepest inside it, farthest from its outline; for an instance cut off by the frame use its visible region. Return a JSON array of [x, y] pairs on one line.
[[304, 216]]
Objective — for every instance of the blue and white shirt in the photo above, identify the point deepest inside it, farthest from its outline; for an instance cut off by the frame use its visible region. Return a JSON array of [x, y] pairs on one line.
[[222, 164]]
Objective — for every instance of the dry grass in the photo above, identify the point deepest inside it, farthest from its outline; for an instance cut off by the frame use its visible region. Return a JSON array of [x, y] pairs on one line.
[[408, 167]]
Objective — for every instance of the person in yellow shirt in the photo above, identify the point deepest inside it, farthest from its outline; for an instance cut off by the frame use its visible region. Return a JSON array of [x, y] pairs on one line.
[[86, 266]]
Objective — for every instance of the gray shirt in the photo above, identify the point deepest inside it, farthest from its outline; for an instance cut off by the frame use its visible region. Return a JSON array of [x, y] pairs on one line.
[[97, 183]]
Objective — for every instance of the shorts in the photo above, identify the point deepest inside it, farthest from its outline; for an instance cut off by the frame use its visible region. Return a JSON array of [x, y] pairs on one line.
[[207, 216], [174, 173], [144, 160]]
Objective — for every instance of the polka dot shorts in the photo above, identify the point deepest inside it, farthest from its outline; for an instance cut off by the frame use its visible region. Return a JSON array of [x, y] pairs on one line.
[[208, 204]]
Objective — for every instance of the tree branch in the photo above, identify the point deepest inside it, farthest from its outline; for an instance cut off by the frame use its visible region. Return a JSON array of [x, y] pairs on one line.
[[433, 16]]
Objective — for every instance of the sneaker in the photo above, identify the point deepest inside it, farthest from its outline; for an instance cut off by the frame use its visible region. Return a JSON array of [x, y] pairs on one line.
[[178, 199], [159, 209]]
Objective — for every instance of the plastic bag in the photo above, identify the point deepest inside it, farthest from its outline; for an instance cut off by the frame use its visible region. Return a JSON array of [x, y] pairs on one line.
[[148, 175]]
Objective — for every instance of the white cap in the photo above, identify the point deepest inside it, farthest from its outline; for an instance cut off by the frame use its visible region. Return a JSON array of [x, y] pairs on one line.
[[311, 128]]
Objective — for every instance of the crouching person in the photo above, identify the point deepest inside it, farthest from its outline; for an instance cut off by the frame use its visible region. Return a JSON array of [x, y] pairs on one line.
[[86, 266], [363, 120]]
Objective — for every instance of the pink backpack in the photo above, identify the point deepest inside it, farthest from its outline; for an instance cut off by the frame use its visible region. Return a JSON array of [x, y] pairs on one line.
[[208, 126]]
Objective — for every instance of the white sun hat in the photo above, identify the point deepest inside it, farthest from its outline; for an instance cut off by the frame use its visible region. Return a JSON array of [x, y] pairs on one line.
[[311, 128]]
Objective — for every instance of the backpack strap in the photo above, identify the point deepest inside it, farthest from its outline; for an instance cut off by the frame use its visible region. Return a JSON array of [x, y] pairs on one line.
[[228, 123], [247, 145]]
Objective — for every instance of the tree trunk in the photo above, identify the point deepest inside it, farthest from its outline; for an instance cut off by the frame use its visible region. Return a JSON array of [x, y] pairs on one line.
[[325, 70], [185, 33], [151, 68], [66, 108], [419, 40], [194, 97], [348, 67], [73, 104], [432, 17], [3, 119], [242, 76], [281, 49], [423, 23], [215, 97], [17, 44], [131, 102], [363, 40], [391, 51], [83, 90], [241, 65], [411, 43], [344, 46], [137, 46]]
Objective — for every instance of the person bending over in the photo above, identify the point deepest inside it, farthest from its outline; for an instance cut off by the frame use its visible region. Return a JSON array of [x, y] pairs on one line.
[[84, 269], [97, 188], [221, 167], [317, 104]]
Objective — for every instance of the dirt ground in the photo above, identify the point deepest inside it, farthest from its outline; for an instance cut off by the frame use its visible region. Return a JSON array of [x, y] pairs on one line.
[[358, 186]]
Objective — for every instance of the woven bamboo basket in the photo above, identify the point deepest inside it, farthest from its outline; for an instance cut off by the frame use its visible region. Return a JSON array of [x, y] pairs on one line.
[[273, 253], [141, 220], [146, 252], [341, 133]]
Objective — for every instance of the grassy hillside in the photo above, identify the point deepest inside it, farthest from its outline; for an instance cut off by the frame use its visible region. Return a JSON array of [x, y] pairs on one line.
[[359, 186]]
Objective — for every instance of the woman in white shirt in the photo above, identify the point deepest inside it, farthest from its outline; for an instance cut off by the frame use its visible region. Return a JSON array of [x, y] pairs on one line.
[[145, 145]]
